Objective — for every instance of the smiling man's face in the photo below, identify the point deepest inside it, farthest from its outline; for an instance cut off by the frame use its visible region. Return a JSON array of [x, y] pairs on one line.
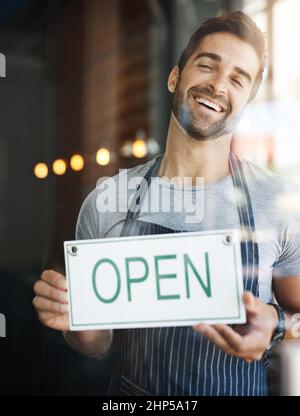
[[214, 86]]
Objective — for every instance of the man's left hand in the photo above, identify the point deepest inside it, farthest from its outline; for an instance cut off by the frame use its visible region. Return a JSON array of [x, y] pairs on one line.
[[250, 340]]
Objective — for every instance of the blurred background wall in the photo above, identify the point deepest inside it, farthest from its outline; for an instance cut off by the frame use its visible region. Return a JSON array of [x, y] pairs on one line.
[[88, 78]]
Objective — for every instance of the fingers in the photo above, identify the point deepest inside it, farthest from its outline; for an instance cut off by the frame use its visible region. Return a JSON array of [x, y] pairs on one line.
[[51, 300], [232, 338], [44, 304], [54, 321], [250, 303], [229, 341], [212, 334], [51, 294], [247, 346], [43, 289], [46, 317], [54, 279]]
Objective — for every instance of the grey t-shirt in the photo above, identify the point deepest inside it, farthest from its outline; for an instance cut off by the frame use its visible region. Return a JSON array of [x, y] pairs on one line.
[[275, 203]]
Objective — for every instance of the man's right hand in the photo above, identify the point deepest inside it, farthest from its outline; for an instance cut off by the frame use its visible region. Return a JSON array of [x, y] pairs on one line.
[[51, 303], [51, 300]]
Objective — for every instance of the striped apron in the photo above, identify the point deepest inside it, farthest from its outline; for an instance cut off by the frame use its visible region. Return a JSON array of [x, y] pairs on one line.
[[178, 360]]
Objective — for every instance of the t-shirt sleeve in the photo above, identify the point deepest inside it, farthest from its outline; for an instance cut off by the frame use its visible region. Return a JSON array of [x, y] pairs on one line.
[[87, 226], [288, 262]]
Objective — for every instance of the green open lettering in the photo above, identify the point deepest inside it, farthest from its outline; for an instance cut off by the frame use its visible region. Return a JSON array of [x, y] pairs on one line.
[[130, 280], [97, 265], [164, 276], [206, 287]]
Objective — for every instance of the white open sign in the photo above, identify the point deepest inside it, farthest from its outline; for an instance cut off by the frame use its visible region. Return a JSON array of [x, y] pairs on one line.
[[158, 280]]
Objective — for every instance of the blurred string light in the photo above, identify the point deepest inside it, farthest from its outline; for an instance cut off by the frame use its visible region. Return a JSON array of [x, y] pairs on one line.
[[139, 148], [41, 170], [153, 146], [59, 167], [126, 149], [103, 156], [77, 162]]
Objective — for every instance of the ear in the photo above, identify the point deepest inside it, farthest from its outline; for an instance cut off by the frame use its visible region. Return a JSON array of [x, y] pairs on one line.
[[173, 78]]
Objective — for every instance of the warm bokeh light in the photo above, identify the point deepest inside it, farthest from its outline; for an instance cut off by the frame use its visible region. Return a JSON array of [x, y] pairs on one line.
[[59, 167], [41, 170], [103, 157], [77, 162], [126, 149], [139, 148], [152, 146]]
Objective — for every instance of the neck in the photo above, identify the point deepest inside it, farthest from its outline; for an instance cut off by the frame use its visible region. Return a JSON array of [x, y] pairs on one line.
[[188, 157]]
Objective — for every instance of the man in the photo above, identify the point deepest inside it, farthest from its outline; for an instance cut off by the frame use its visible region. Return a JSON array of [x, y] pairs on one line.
[[218, 73]]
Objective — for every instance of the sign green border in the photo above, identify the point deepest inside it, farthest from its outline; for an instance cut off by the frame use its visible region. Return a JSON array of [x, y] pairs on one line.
[[156, 236]]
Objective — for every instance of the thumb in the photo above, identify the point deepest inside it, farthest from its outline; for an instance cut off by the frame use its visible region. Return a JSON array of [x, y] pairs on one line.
[[249, 302]]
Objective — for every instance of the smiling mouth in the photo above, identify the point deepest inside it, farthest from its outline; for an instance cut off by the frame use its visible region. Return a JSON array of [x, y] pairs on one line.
[[211, 105]]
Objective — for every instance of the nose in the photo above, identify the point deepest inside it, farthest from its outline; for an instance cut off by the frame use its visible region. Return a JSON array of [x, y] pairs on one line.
[[218, 84]]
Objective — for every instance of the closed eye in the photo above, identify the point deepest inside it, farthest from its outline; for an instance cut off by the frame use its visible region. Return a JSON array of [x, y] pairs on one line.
[[237, 82], [205, 67]]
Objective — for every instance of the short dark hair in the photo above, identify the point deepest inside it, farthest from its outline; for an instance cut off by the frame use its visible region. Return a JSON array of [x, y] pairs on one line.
[[237, 23]]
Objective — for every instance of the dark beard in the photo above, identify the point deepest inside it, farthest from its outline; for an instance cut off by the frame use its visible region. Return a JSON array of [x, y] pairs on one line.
[[202, 129]]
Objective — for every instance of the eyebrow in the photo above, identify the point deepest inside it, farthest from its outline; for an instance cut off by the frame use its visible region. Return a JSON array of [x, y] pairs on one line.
[[218, 58]]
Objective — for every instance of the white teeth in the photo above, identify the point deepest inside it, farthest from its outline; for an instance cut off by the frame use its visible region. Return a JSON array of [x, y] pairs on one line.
[[215, 106]]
